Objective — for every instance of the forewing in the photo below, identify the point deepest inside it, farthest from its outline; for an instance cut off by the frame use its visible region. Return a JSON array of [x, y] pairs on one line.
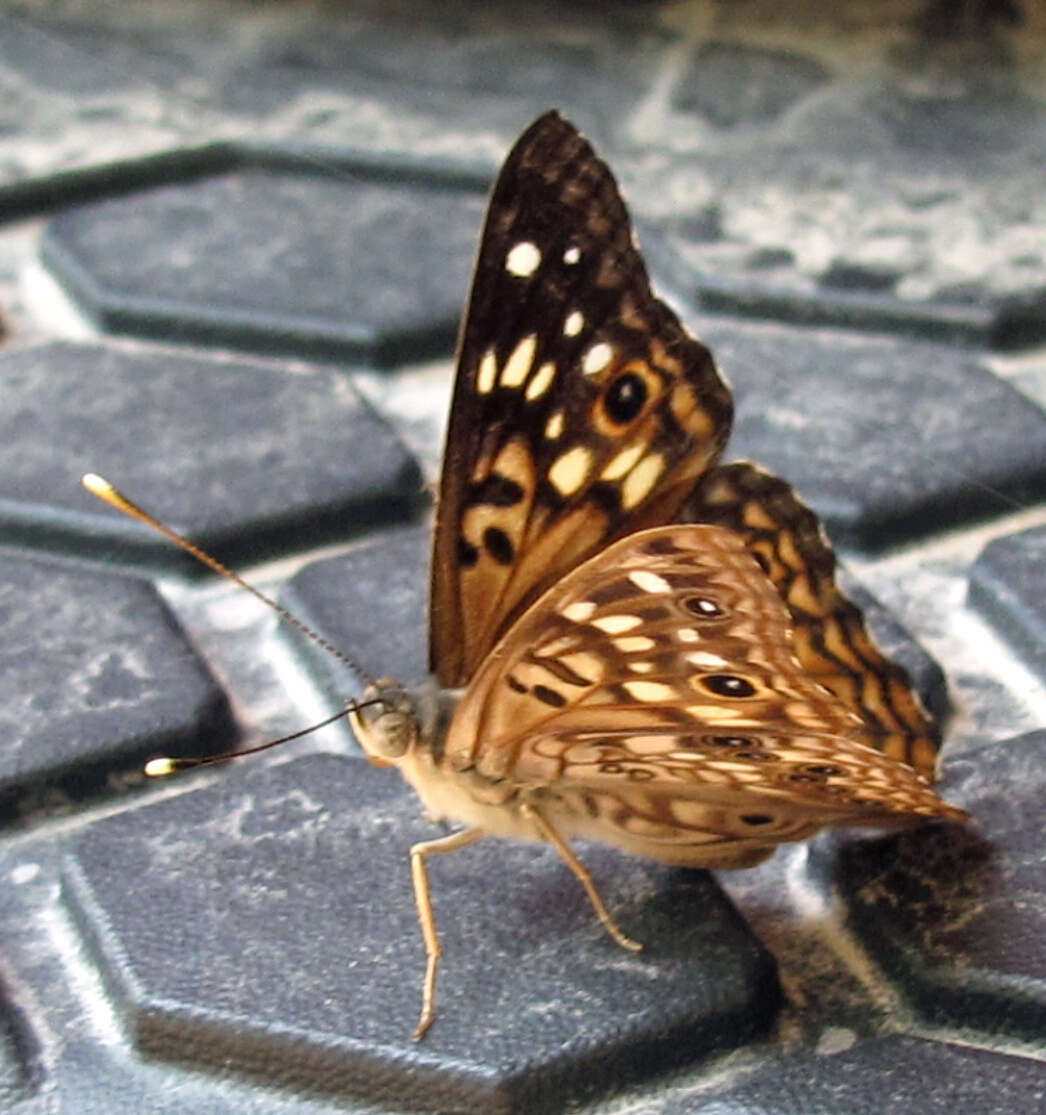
[[582, 409]]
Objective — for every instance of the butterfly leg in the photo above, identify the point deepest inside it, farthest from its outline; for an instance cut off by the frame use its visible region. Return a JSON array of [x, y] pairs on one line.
[[581, 874], [433, 950]]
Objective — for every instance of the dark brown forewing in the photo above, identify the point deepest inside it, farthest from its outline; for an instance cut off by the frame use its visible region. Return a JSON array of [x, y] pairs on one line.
[[582, 409], [829, 634]]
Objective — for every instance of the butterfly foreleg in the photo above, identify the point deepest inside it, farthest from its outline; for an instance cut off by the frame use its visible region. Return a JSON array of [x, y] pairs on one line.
[[426, 918], [581, 874]]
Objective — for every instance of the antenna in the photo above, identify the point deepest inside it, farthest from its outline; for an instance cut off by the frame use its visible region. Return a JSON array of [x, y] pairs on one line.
[[157, 768]]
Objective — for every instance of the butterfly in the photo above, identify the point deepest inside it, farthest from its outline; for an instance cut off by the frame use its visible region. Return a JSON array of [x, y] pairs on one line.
[[629, 641]]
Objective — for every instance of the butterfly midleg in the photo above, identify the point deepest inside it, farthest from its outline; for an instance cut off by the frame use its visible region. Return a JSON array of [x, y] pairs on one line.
[[582, 875], [433, 951]]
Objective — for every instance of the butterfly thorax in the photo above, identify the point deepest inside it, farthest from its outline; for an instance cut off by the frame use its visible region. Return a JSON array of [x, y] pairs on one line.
[[406, 727]]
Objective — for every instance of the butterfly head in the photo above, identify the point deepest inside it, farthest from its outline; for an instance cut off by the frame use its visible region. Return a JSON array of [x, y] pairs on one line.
[[386, 722]]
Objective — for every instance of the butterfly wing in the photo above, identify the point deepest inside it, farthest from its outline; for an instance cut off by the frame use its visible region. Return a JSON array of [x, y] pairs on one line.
[[828, 631], [653, 698], [582, 408]]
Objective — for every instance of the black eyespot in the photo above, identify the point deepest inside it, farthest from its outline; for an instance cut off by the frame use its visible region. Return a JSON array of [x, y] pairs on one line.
[[728, 685], [703, 607], [756, 818], [732, 741], [640, 774], [756, 756], [821, 769], [625, 398], [498, 544], [549, 696], [468, 555]]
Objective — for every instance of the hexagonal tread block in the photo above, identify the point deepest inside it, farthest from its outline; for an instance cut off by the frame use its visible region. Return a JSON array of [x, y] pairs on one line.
[[282, 940], [247, 458], [345, 263], [1008, 585], [886, 439], [944, 908], [97, 676]]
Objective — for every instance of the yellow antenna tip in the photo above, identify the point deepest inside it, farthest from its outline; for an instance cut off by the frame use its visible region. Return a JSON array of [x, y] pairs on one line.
[[159, 768], [96, 484]]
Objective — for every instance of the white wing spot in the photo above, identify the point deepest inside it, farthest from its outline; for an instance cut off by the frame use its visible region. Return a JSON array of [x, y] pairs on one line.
[[597, 358], [641, 667], [706, 658], [634, 644], [519, 363], [688, 635], [719, 714], [623, 463], [571, 470], [649, 582], [488, 371], [574, 324], [617, 625], [579, 612], [650, 690], [554, 426], [641, 480], [523, 260], [541, 382], [572, 254]]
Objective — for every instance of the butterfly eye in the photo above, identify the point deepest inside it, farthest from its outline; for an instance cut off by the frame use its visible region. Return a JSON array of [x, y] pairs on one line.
[[728, 685]]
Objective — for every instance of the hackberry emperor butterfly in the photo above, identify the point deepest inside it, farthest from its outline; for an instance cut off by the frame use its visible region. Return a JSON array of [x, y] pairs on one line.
[[628, 641], [692, 692]]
